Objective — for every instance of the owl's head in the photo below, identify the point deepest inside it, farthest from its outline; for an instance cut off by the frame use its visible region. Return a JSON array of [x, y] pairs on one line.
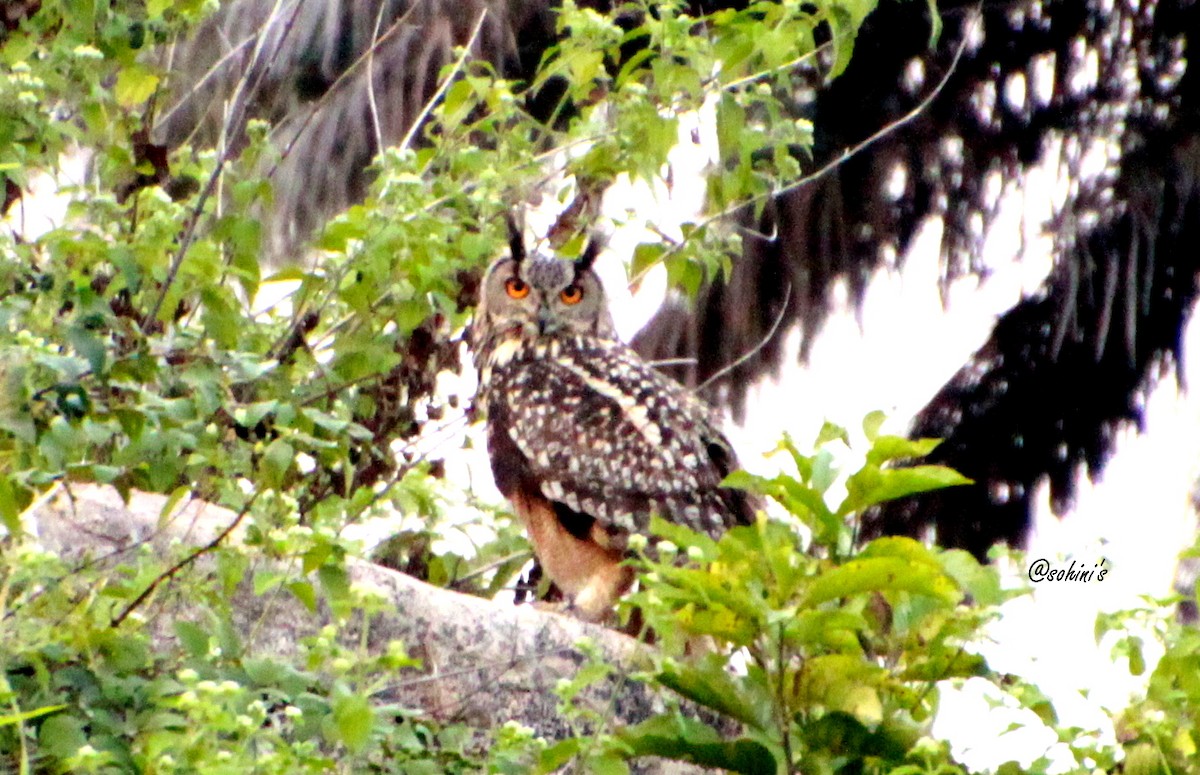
[[534, 295]]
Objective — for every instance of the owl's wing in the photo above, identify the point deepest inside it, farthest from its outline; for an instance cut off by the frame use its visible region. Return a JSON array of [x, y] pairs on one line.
[[596, 429]]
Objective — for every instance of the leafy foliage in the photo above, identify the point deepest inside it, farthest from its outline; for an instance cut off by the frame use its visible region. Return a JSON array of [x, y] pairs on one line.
[[1160, 732], [134, 352], [840, 652], [792, 650], [131, 331], [105, 700]]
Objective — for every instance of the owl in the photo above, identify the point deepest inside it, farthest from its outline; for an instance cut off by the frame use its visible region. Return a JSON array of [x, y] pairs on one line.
[[585, 438]]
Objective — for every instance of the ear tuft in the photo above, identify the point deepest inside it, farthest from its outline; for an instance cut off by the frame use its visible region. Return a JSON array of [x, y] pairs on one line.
[[516, 239], [590, 252]]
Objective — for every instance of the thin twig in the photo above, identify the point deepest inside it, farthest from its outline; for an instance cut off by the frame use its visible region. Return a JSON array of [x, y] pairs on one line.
[[237, 115], [341, 81], [493, 565], [667, 362], [91, 561], [506, 665], [209, 74], [371, 80], [845, 156], [184, 563], [445, 84], [787, 297]]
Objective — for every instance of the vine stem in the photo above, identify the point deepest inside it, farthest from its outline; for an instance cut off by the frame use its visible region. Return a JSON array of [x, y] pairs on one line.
[[415, 126], [817, 174], [236, 118], [170, 573]]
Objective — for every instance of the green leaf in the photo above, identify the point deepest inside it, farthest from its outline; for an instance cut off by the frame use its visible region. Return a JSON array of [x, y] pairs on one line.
[[168, 509], [683, 537], [678, 737], [842, 682], [326, 421], [558, 755], [291, 273], [823, 474], [945, 664], [731, 123], [981, 582], [126, 652], [838, 732], [231, 568], [872, 485], [266, 580], [1142, 759], [305, 593], [410, 313], [156, 8], [881, 574], [222, 320], [606, 763], [229, 637], [836, 630], [14, 416], [13, 500], [685, 274], [903, 547], [1131, 647], [706, 682], [804, 502], [872, 423], [272, 673], [458, 101], [742, 479], [363, 359], [631, 68], [334, 581], [245, 256], [194, 638], [276, 461], [886, 448], [833, 432], [135, 84], [61, 735], [353, 720], [90, 346], [645, 256]]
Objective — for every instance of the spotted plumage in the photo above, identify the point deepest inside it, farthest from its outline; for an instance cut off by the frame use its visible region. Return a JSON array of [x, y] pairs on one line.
[[585, 438]]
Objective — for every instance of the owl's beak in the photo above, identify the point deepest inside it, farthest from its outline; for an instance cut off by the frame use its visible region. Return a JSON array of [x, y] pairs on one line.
[[545, 321]]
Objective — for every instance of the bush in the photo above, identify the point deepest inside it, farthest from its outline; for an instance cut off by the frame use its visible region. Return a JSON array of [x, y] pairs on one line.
[[132, 356]]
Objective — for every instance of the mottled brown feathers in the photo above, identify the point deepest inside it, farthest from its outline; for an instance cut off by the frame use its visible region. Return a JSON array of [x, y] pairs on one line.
[[602, 432], [586, 439]]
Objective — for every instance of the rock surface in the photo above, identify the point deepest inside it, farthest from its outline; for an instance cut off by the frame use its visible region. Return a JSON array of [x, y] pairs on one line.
[[483, 663]]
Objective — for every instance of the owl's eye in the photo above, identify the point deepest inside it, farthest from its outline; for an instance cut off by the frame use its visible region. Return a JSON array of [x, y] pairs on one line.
[[572, 294], [516, 287]]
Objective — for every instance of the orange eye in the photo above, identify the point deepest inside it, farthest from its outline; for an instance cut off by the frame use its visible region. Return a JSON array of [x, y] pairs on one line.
[[516, 287], [572, 294]]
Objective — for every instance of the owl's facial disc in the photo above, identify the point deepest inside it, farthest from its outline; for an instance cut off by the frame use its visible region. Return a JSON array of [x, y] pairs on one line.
[[552, 279], [550, 275], [538, 295]]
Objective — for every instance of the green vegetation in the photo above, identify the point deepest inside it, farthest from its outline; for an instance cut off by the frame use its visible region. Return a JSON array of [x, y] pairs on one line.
[[131, 355]]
